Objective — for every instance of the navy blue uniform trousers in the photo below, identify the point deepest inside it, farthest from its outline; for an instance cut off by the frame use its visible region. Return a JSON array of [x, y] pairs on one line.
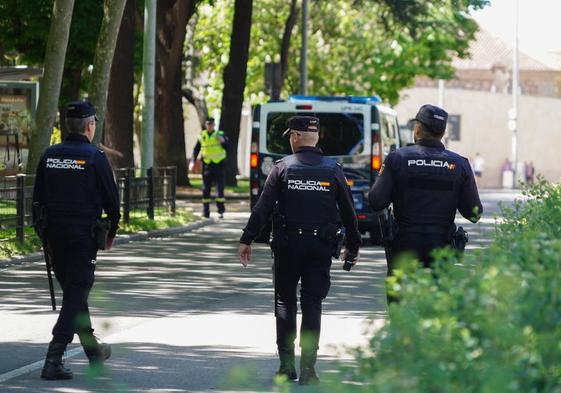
[[306, 259], [73, 251], [213, 173]]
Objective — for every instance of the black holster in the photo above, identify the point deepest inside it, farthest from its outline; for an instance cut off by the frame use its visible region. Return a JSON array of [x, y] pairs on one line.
[[39, 214], [279, 238], [100, 231], [388, 230], [334, 235], [459, 239]]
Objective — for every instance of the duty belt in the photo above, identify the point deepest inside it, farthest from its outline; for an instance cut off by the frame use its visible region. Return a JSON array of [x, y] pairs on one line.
[[301, 231], [429, 229]]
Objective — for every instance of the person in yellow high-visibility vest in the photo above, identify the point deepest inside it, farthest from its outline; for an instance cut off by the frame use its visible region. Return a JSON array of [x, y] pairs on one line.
[[213, 146]]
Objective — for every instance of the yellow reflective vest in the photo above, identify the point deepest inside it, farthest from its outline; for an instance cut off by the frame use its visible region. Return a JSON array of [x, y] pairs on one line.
[[211, 148]]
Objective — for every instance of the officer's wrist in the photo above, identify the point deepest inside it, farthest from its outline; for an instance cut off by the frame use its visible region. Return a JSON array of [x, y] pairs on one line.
[[245, 239]]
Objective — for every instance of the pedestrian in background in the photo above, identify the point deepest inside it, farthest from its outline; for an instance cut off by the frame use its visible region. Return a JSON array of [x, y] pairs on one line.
[[506, 166], [478, 166], [529, 172], [426, 184], [213, 146], [309, 199], [74, 183]]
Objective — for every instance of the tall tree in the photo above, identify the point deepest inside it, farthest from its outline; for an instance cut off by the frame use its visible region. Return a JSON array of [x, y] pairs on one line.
[[234, 83], [51, 81], [105, 49], [119, 114], [287, 35], [172, 17], [24, 28], [70, 91]]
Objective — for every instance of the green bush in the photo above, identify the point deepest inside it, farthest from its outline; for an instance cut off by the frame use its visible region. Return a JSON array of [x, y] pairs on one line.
[[489, 323]]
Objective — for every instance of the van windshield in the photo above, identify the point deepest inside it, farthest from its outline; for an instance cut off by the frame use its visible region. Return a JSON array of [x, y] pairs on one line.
[[341, 134]]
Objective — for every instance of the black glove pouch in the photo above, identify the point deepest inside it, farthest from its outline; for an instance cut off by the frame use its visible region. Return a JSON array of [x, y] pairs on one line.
[[100, 231]]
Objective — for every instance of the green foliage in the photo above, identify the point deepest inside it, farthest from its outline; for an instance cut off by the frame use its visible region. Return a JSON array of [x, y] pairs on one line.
[[359, 47], [24, 27], [9, 246], [490, 323], [241, 188], [212, 44], [161, 221]]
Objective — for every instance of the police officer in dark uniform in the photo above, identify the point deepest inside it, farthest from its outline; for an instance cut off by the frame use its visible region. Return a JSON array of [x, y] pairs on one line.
[[426, 184], [308, 197], [213, 146], [74, 184]]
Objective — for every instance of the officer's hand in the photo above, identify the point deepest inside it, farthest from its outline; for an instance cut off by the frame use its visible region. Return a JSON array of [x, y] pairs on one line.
[[355, 259], [109, 244], [221, 139], [245, 254], [191, 165]]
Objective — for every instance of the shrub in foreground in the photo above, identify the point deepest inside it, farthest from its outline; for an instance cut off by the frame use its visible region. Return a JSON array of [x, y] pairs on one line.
[[489, 323]]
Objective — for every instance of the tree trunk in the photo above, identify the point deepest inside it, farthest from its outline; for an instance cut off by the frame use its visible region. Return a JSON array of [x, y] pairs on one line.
[[191, 92], [234, 83], [105, 48], [172, 17], [119, 115], [285, 44], [199, 104], [50, 84], [70, 91]]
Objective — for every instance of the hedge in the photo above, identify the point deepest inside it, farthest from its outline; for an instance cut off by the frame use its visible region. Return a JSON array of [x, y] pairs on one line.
[[488, 323]]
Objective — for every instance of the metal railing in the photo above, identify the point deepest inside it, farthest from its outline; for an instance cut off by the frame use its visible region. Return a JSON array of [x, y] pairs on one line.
[[16, 194], [139, 196], [146, 195]]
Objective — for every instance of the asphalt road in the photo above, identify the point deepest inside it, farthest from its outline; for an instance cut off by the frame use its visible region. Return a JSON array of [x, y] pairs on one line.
[[184, 316]]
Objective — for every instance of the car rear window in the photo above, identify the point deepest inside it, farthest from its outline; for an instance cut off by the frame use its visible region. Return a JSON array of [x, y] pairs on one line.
[[341, 134]]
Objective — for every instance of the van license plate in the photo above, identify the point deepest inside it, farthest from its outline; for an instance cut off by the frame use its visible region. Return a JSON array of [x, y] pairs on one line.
[[358, 200]]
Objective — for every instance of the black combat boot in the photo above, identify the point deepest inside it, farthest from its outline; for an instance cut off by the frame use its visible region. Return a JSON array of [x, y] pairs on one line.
[[96, 350], [308, 374], [54, 367], [287, 368]]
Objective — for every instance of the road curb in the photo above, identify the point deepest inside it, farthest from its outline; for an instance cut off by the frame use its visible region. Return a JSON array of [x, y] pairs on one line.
[[119, 240]]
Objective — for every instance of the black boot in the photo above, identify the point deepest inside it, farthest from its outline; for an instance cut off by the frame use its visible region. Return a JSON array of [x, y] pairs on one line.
[[96, 350], [287, 369], [308, 374], [54, 368]]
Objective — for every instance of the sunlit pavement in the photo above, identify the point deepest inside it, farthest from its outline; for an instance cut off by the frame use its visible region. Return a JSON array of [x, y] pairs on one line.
[[184, 316]]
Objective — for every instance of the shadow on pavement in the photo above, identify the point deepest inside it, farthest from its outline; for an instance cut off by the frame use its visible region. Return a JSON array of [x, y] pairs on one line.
[[149, 367]]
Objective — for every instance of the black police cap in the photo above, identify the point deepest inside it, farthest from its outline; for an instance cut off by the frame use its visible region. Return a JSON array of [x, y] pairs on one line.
[[80, 110], [302, 123], [433, 117], [210, 120]]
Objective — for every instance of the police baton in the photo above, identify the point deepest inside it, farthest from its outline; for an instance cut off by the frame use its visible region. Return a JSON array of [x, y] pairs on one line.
[[49, 274], [39, 219]]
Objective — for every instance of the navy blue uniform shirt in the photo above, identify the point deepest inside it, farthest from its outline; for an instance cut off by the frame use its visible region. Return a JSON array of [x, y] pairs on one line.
[[426, 184], [271, 191], [74, 180]]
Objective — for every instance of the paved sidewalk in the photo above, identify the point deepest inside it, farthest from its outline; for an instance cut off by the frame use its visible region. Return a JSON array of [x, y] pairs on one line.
[[184, 316]]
